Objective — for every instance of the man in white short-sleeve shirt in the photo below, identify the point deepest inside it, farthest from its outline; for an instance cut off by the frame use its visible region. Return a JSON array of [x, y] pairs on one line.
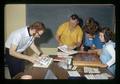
[[18, 42]]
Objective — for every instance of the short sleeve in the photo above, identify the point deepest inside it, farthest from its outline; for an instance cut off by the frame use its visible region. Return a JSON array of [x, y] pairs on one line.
[[60, 29], [111, 51], [16, 39]]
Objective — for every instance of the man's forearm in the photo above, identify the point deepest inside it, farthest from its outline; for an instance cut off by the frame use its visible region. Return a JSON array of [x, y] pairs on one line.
[[58, 40], [19, 55], [35, 49]]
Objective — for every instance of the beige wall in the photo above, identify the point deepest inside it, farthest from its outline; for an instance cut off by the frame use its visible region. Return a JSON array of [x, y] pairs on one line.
[[15, 17]]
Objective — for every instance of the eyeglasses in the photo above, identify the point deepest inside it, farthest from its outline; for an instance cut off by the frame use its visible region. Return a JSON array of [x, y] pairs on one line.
[[38, 34]]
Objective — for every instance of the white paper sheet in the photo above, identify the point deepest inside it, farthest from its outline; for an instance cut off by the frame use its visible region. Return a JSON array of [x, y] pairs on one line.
[[96, 76], [74, 73], [43, 62], [64, 48], [91, 70]]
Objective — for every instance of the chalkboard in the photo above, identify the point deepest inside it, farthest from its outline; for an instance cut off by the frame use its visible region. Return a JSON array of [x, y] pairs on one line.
[[52, 15]]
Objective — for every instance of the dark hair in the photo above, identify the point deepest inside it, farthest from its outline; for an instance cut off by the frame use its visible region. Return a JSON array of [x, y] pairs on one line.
[[108, 34], [38, 26], [90, 29], [91, 26], [90, 21], [74, 16]]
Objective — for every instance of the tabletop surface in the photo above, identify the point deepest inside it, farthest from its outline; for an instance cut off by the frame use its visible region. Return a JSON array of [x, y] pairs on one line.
[[60, 73]]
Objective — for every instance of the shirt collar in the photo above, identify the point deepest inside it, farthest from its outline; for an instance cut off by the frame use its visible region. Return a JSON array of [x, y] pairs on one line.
[[28, 29], [26, 32], [110, 42]]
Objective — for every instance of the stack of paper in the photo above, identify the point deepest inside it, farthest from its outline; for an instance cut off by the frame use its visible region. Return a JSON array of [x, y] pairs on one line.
[[43, 62], [65, 49], [91, 70]]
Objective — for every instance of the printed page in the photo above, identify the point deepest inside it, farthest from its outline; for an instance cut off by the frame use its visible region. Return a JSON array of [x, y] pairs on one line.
[[43, 62], [91, 70], [96, 76]]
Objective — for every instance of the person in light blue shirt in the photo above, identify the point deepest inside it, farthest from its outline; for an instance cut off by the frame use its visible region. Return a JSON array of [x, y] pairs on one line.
[[107, 55]]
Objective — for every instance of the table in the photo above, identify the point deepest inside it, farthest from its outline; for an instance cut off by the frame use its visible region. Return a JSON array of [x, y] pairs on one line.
[[60, 73], [87, 59]]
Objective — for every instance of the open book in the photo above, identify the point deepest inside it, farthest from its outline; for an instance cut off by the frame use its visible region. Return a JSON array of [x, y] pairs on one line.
[[65, 49], [43, 62]]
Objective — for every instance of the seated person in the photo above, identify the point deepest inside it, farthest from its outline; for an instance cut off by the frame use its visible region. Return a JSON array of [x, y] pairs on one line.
[[70, 33], [18, 42], [91, 36], [107, 53]]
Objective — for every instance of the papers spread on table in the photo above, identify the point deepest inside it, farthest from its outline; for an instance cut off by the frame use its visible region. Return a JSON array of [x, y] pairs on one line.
[[73, 73], [91, 70], [98, 76], [43, 61], [94, 73], [65, 49]]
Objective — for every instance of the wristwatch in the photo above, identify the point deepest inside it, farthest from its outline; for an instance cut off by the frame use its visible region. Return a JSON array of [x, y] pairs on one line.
[[40, 54]]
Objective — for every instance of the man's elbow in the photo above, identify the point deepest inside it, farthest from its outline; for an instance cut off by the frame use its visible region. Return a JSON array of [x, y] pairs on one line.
[[12, 53]]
